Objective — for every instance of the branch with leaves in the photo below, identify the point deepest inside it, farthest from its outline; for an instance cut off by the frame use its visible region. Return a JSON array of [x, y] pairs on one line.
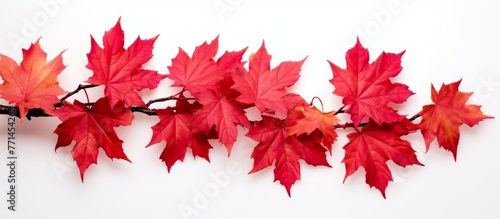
[[213, 97]]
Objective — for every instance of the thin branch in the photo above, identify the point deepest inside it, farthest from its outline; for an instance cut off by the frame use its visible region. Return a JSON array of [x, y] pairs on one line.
[[146, 111], [167, 99], [348, 125], [341, 110], [80, 87], [172, 97], [351, 125], [31, 113], [40, 113], [416, 116]]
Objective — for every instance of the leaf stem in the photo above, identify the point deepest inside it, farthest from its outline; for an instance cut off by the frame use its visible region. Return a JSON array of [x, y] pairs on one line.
[[320, 101], [86, 95]]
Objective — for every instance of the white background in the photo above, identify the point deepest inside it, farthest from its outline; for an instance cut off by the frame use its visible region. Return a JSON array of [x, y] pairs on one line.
[[444, 42]]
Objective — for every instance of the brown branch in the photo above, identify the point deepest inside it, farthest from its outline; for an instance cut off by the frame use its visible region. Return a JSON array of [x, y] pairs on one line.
[[40, 113], [6, 110]]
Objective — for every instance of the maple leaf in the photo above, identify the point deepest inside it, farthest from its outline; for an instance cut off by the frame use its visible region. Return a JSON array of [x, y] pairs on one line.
[[264, 87], [374, 145], [443, 119], [367, 88], [119, 69], [176, 128], [91, 129], [277, 145], [199, 72], [220, 110], [313, 120], [230, 62], [33, 83]]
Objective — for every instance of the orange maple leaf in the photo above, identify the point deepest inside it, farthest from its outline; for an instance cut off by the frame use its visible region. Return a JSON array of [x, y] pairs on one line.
[[315, 119], [33, 83]]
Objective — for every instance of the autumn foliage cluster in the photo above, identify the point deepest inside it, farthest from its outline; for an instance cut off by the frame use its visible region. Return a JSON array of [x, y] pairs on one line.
[[212, 99]]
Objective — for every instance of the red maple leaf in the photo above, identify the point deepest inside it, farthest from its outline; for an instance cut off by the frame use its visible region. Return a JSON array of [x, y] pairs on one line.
[[176, 128], [220, 110], [367, 88], [443, 119], [33, 84], [264, 87], [92, 128], [119, 69], [277, 145], [313, 120], [374, 145], [200, 71], [230, 62]]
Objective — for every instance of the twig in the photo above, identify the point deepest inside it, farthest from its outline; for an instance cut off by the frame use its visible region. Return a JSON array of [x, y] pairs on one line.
[[351, 125], [172, 97], [348, 125], [146, 111], [167, 99], [416, 116], [40, 113], [80, 87], [341, 110]]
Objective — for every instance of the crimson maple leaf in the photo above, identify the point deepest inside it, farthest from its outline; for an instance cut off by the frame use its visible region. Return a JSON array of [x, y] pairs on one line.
[[366, 88], [200, 71], [374, 145], [119, 69], [230, 62], [443, 119], [33, 83], [313, 120], [176, 128], [92, 128], [220, 110], [264, 87], [277, 145]]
